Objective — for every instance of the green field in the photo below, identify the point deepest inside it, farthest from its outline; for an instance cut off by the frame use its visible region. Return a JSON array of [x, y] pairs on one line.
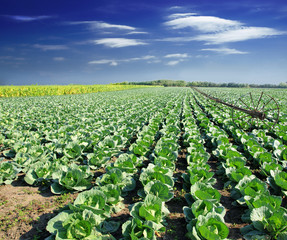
[[148, 163]]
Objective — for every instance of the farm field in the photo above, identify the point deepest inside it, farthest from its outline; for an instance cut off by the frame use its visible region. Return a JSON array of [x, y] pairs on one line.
[[150, 163], [49, 90]]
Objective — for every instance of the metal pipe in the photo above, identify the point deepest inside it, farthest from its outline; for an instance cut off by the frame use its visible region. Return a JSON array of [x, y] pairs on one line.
[[252, 113]]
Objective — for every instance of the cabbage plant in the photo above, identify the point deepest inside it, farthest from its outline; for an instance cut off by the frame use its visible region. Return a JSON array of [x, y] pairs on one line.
[[203, 207], [279, 181], [158, 189], [135, 229], [8, 172], [210, 226], [151, 209], [117, 177], [202, 191], [72, 178], [198, 174], [266, 223], [76, 225]]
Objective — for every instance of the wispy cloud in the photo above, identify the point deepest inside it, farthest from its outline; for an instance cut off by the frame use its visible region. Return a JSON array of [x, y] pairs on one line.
[[217, 30], [181, 15], [173, 8], [59, 59], [237, 35], [202, 23], [102, 25], [12, 60], [180, 57], [136, 32], [108, 28], [115, 62], [225, 51], [27, 18], [119, 42], [105, 61], [50, 47], [177, 55], [173, 63]]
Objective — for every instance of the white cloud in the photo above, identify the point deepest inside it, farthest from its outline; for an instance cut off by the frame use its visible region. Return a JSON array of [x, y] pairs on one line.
[[180, 57], [203, 23], [177, 55], [147, 57], [181, 15], [27, 18], [108, 28], [237, 35], [105, 61], [173, 63], [50, 47], [176, 8], [119, 42], [217, 30], [228, 36], [103, 25], [225, 51], [59, 59], [136, 32], [113, 62]]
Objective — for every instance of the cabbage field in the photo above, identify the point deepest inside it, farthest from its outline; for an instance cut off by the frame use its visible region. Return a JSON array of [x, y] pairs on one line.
[[146, 164]]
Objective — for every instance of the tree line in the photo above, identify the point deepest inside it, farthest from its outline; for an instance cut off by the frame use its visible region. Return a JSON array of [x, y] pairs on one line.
[[182, 83]]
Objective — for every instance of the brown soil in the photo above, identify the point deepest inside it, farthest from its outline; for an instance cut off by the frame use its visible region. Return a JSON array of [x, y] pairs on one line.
[[25, 211]]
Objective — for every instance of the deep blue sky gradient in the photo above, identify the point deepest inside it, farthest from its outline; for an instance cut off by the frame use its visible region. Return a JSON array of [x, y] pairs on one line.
[[105, 41]]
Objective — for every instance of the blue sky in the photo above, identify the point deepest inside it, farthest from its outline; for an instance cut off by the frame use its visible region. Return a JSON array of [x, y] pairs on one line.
[[105, 41]]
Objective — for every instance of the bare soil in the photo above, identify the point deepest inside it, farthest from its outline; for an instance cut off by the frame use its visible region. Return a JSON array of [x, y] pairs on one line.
[[25, 211]]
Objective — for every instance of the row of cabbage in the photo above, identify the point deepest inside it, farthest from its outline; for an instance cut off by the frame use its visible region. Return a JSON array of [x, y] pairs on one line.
[[267, 153], [148, 215], [265, 214], [204, 213]]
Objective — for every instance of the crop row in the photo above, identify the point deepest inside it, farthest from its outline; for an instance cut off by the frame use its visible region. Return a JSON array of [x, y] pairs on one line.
[[247, 189], [204, 214]]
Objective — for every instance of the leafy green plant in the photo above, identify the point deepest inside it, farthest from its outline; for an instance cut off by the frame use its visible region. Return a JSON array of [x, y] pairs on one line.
[[279, 180], [151, 209], [135, 229], [93, 200], [79, 225], [248, 186], [126, 163], [73, 150], [203, 207], [236, 174], [8, 172], [73, 178], [198, 174], [40, 172], [210, 226], [117, 177], [266, 223], [202, 191], [158, 189]]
